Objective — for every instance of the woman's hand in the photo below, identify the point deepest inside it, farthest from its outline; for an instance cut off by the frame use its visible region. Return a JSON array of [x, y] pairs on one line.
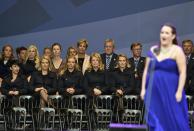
[[142, 94], [97, 92], [178, 96]]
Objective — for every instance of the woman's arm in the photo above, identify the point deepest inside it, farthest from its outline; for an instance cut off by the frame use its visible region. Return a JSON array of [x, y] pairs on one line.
[[143, 90], [181, 63]]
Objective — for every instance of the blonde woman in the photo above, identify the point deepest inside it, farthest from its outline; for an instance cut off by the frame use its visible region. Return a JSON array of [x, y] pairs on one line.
[[32, 61], [122, 78], [43, 82], [94, 77], [71, 79]]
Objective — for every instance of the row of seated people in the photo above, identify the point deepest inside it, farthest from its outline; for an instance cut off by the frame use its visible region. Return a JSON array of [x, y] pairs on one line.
[[71, 81]]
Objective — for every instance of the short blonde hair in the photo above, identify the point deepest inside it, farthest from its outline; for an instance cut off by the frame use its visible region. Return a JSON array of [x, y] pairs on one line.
[[96, 55], [82, 41]]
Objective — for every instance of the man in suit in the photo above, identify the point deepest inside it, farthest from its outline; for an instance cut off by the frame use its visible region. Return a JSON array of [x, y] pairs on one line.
[[137, 63], [109, 59], [187, 48]]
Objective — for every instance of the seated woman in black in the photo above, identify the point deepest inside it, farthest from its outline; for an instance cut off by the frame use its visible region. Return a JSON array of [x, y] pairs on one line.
[[43, 82], [94, 77], [122, 80], [71, 78], [14, 84], [122, 83]]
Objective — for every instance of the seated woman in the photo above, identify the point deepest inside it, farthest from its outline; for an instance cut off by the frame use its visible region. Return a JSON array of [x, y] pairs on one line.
[[43, 82], [122, 84], [71, 78], [14, 84], [122, 80], [94, 77]]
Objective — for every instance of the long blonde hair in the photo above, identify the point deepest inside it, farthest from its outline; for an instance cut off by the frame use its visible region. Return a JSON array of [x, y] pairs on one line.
[[126, 58], [45, 58], [36, 59], [66, 68], [96, 55]]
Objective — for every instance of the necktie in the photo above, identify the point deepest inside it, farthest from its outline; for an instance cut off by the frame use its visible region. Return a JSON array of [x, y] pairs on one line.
[[108, 62], [187, 59], [136, 63]]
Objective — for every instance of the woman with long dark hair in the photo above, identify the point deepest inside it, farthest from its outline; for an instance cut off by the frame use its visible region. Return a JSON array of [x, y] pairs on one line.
[[163, 84]]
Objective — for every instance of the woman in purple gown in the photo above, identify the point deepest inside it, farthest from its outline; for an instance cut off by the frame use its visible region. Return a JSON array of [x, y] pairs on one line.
[[163, 85]]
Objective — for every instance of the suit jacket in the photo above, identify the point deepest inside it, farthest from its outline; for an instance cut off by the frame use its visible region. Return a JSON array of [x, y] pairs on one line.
[[138, 71], [113, 61], [189, 84], [85, 63]]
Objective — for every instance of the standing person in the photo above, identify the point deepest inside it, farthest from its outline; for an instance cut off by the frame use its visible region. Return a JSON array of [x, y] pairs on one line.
[[82, 58], [32, 61], [5, 61], [71, 51], [163, 84], [187, 48], [21, 53], [56, 61], [137, 63], [47, 52], [109, 59]]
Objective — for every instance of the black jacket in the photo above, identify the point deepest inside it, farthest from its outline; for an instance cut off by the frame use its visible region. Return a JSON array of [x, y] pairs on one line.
[[5, 68], [189, 85], [47, 81], [94, 79], [123, 80], [139, 71], [113, 61], [71, 79]]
